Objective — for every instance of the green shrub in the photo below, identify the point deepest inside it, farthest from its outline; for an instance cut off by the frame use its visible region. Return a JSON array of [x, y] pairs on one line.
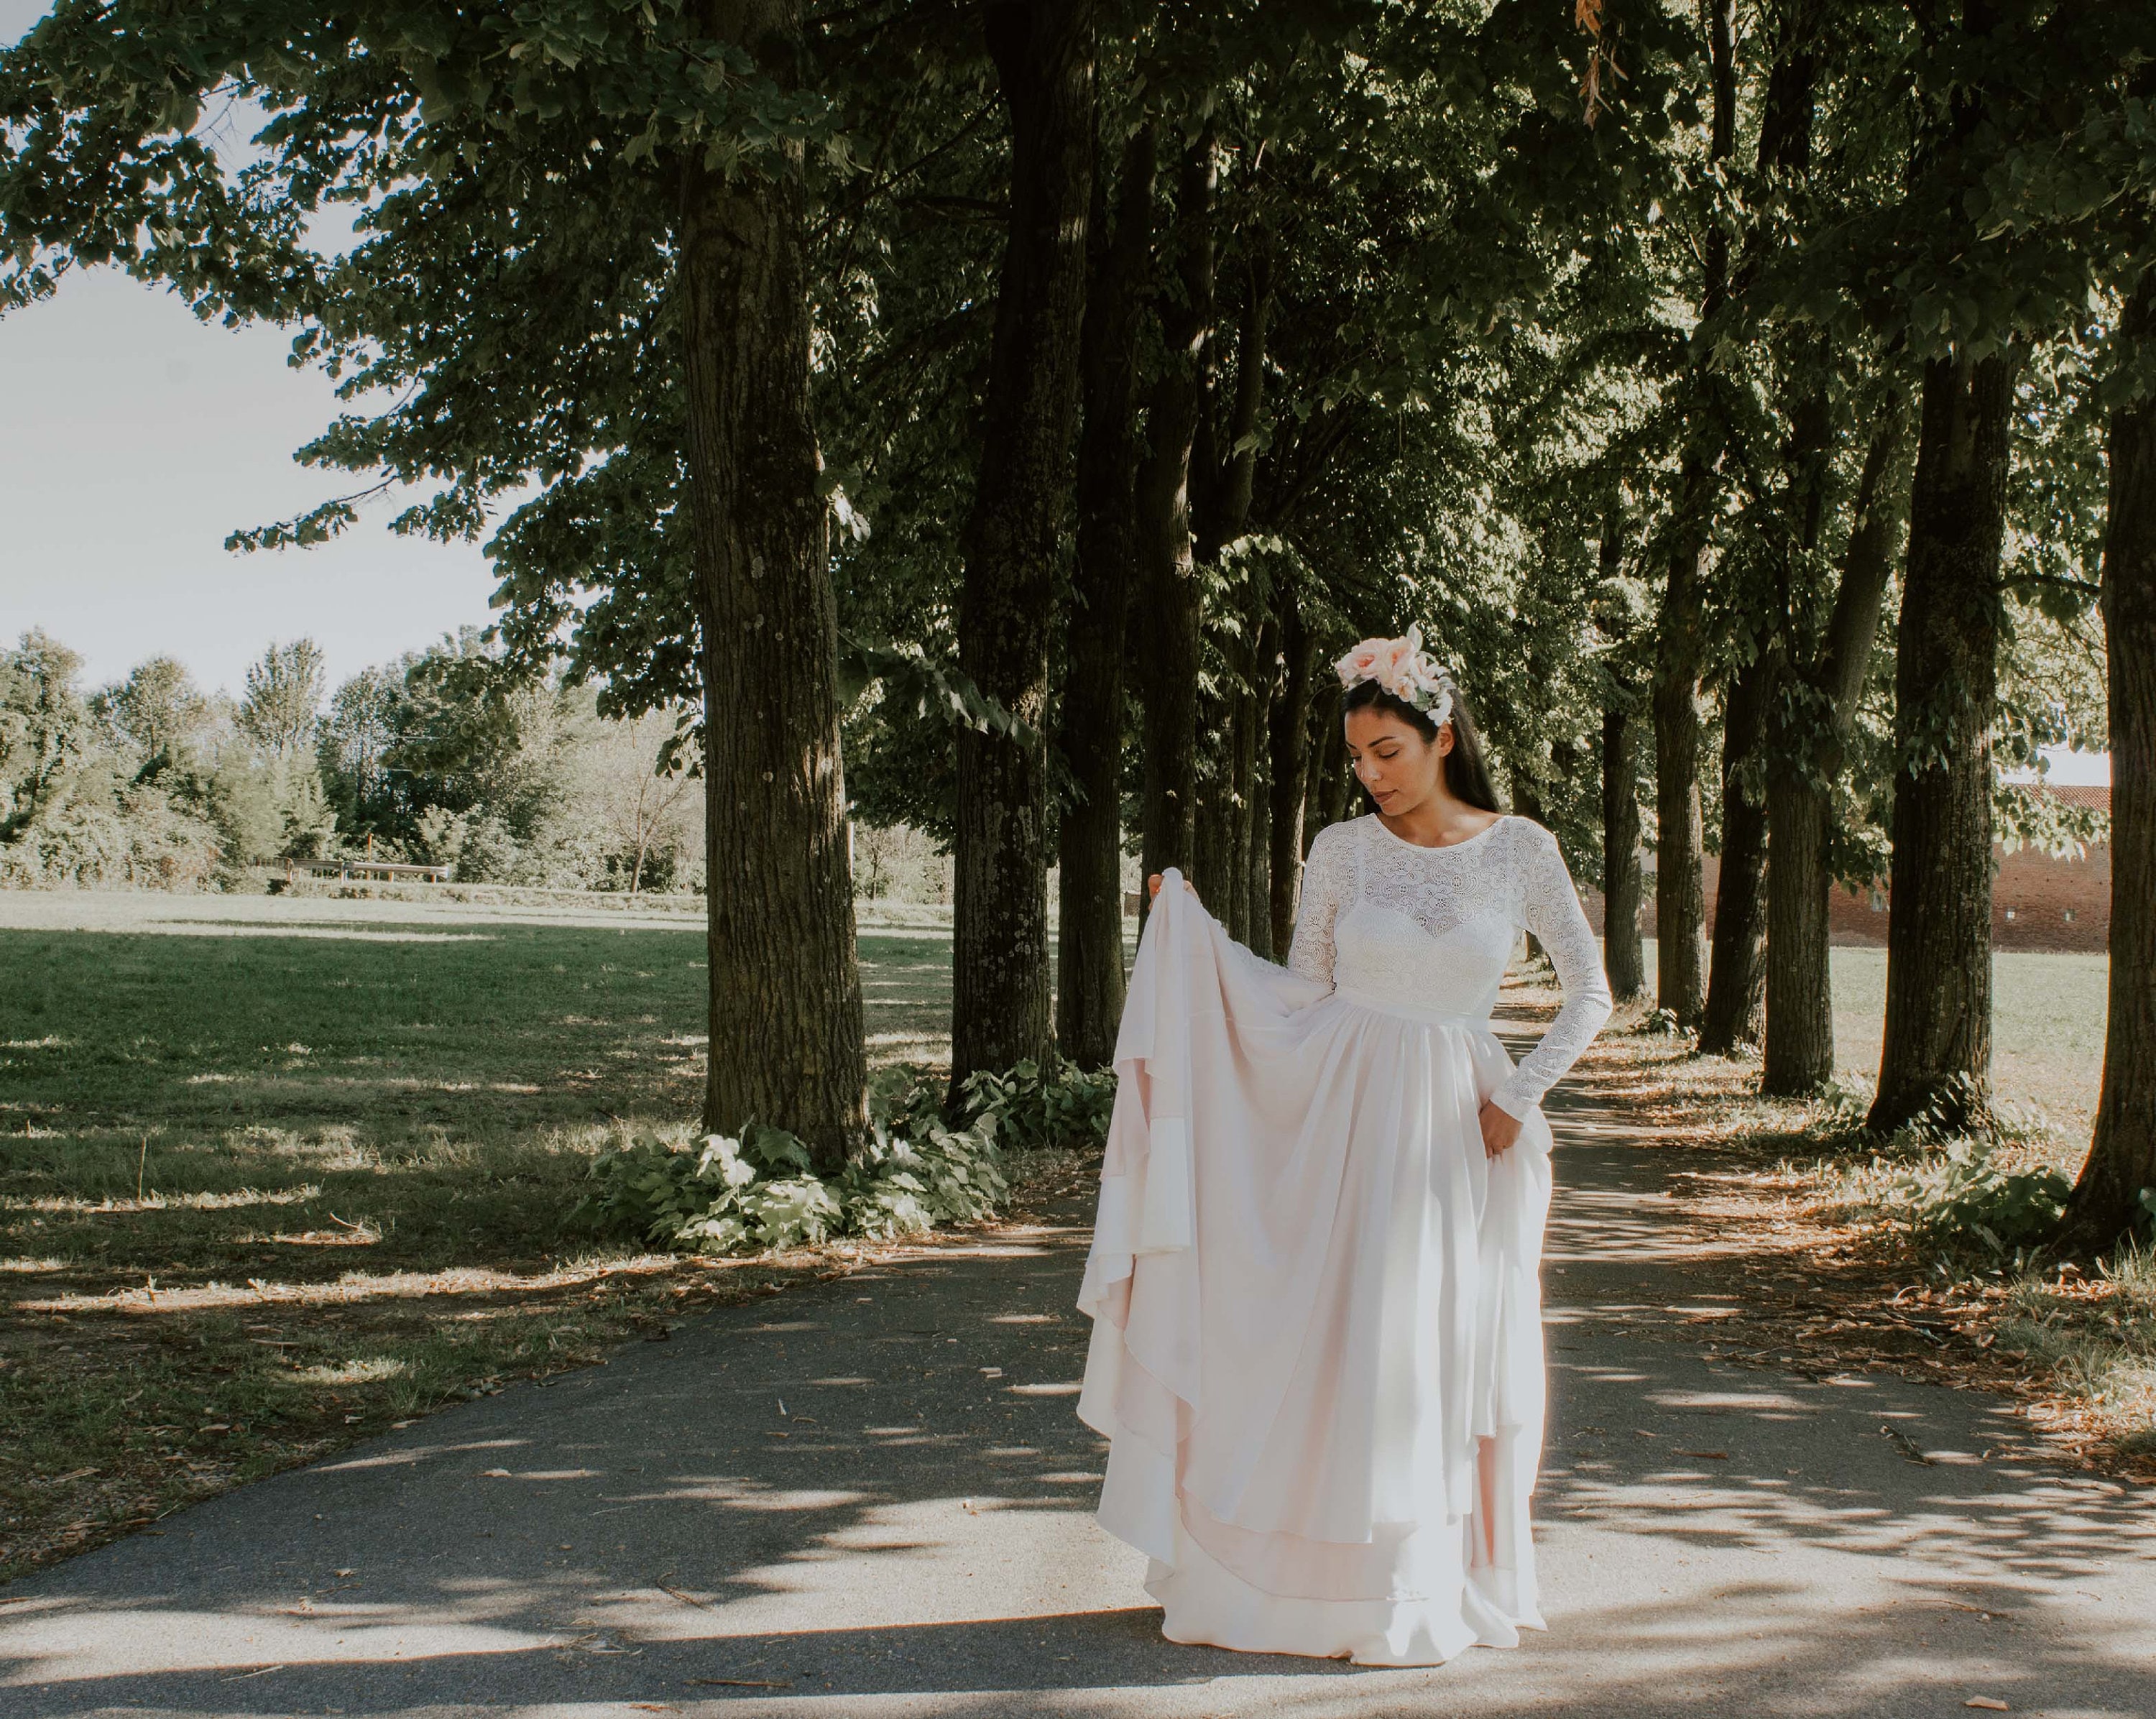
[[761, 1192], [1962, 1193]]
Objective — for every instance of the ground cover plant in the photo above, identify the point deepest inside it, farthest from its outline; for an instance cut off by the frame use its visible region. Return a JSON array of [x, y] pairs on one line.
[[267, 1187]]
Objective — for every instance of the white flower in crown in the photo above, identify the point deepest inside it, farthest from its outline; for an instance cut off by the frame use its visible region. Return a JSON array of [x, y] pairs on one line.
[[1404, 669]]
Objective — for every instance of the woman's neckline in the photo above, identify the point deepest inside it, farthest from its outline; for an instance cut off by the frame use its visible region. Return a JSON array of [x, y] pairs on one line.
[[1445, 848]]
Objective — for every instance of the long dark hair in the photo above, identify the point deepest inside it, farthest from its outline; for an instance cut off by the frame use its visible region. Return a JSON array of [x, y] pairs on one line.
[[1467, 770]]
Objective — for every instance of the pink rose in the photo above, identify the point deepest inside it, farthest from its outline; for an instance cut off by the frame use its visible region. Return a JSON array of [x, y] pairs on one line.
[[1361, 663], [1394, 667]]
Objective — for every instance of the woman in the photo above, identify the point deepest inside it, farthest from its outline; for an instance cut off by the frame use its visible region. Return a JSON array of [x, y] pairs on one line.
[[1317, 1342]]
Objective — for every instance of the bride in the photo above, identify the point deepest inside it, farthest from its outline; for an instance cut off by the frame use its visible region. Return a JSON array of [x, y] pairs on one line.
[[1316, 1347]]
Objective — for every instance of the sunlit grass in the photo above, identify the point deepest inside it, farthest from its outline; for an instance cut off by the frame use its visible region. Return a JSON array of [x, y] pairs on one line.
[[264, 1193]]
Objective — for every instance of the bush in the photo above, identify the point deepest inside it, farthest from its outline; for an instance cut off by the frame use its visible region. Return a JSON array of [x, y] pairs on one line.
[[1960, 1192], [761, 1193]]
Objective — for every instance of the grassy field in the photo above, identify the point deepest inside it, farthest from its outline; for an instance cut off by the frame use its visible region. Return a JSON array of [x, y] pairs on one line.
[[2047, 1028], [274, 1175]]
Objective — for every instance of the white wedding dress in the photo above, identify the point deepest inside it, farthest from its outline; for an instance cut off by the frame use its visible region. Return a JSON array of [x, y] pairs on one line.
[[1317, 1346]]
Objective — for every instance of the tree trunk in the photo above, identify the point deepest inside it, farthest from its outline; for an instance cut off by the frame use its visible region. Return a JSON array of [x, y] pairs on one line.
[[2115, 1189], [1937, 1041], [1043, 52], [1089, 965], [1257, 882], [1623, 951], [1737, 975], [1249, 706], [1680, 845], [785, 994], [1809, 729], [1290, 739], [1171, 638]]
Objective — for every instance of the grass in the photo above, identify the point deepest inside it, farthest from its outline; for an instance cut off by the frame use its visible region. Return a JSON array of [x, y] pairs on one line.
[[277, 1176]]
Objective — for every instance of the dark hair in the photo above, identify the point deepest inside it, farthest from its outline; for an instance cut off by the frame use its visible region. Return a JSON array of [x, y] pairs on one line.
[[1467, 770]]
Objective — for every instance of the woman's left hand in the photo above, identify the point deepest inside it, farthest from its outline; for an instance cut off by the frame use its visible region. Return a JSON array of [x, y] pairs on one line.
[[1500, 1129]]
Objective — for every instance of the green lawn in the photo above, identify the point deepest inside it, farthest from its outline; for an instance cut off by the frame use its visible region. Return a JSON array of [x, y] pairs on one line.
[[2047, 1027], [274, 1174]]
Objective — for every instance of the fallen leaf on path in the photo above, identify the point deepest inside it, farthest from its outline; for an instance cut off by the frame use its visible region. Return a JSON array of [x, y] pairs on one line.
[[1990, 1704], [494, 1473], [1711, 1455]]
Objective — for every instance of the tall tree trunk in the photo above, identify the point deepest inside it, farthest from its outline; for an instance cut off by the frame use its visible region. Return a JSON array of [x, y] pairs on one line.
[[1043, 51], [1623, 951], [2117, 1181], [1257, 881], [1249, 705], [785, 993], [1258, 860], [1680, 845], [1809, 734], [1938, 1040], [1169, 593], [1737, 972], [1328, 756], [1289, 745], [1088, 1002]]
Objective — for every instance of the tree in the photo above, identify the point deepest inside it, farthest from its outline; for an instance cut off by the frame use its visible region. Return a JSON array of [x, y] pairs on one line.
[[284, 699], [1090, 937], [160, 709], [1043, 51]]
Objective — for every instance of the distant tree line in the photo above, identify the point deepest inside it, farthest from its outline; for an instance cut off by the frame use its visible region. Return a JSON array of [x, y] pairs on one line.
[[439, 757]]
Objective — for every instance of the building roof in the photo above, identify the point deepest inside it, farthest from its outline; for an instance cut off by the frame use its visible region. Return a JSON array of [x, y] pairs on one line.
[[2092, 798]]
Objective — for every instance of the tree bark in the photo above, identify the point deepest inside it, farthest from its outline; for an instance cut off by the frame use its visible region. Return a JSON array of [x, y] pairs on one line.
[[1090, 935], [1289, 744], [1170, 641], [1680, 843], [1623, 951], [1328, 758], [1043, 51], [1680, 846], [1810, 732], [2114, 1193], [1737, 973], [784, 991], [1938, 1043]]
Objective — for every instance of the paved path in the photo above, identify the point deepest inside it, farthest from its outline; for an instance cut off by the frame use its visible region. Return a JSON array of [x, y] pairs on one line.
[[870, 1498]]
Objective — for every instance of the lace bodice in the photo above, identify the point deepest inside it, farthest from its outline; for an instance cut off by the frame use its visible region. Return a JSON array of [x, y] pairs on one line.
[[1430, 931]]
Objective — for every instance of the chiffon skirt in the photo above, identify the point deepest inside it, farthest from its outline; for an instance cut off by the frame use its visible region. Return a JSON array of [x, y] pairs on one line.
[[1317, 1344]]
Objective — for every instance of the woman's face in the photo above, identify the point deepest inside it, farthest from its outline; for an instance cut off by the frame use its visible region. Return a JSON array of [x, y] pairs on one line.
[[1400, 768]]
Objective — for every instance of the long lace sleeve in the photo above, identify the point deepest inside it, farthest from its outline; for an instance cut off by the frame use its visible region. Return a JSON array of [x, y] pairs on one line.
[[1550, 906], [1324, 878]]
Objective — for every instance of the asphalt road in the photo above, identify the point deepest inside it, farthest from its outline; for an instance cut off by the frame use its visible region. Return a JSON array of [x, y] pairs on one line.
[[870, 1498]]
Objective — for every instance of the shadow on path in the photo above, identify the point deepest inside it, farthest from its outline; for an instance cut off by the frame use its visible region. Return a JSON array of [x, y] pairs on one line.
[[874, 1492]]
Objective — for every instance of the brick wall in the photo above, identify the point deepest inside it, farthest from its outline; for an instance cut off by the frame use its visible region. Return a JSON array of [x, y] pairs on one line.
[[2037, 902]]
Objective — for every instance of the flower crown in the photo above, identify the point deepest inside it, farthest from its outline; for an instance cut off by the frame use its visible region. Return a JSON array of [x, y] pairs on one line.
[[1404, 669]]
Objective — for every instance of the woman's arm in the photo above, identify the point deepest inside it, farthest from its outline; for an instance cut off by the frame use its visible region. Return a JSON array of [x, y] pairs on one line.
[[1552, 912], [1323, 874]]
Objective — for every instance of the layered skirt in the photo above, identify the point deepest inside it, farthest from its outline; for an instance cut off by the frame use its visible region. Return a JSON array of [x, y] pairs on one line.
[[1316, 1347]]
